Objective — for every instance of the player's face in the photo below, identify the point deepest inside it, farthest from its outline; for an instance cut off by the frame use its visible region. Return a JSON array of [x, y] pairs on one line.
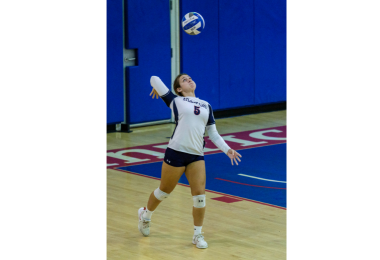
[[187, 84]]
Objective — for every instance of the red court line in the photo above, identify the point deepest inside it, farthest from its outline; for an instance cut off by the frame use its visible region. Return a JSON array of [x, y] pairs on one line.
[[251, 184], [216, 192]]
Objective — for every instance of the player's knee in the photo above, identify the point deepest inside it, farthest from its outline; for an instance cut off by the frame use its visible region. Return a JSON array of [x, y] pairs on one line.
[[199, 201], [160, 195]]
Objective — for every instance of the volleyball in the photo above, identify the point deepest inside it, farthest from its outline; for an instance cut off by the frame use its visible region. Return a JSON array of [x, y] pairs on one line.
[[193, 23]]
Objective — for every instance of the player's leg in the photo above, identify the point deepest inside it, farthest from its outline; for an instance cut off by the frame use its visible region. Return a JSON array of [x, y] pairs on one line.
[[169, 179], [170, 175], [196, 175]]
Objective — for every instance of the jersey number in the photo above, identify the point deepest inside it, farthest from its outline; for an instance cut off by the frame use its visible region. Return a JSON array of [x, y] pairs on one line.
[[196, 110]]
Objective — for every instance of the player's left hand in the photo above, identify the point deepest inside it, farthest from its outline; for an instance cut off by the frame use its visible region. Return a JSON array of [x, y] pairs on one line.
[[233, 156], [155, 94]]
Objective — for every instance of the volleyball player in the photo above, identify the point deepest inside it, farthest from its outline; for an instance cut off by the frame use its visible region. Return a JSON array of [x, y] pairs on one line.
[[185, 151]]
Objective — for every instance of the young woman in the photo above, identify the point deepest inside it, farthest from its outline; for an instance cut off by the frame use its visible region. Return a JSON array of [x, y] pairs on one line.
[[185, 151]]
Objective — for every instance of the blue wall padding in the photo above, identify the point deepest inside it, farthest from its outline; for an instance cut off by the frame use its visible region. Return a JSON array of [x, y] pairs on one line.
[[147, 29], [239, 59], [115, 84], [236, 43], [270, 51], [200, 54]]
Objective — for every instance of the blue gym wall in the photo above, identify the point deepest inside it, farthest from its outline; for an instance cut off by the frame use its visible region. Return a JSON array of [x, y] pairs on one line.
[[199, 54], [270, 51], [239, 60], [115, 84], [147, 29]]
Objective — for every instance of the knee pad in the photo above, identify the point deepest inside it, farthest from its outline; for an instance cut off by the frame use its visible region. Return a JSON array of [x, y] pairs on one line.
[[199, 201], [160, 195]]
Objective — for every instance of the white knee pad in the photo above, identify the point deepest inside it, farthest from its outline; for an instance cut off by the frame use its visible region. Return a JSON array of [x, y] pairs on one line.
[[199, 201], [160, 195]]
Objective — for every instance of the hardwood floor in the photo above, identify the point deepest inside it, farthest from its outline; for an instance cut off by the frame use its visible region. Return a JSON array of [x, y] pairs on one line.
[[243, 230]]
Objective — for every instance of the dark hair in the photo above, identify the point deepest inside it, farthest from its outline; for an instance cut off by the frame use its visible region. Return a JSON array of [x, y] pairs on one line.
[[177, 85]]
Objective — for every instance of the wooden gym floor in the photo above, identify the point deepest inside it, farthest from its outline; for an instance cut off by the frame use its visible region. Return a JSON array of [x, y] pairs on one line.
[[244, 230]]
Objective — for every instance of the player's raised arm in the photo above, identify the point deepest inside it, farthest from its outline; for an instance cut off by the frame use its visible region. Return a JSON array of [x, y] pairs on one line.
[[159, 89]]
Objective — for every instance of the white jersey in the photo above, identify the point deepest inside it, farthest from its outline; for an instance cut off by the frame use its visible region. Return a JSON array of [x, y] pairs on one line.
[[192, 117]]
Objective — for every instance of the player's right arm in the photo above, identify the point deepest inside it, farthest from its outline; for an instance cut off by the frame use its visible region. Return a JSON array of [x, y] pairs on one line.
[[159, 89]]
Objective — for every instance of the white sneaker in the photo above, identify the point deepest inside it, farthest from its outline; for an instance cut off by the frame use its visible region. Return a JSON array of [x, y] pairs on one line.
[[200, 241], [144, 224]]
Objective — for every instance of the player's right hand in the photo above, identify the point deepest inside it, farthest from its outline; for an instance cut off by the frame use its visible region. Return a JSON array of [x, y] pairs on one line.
[[155, 94]]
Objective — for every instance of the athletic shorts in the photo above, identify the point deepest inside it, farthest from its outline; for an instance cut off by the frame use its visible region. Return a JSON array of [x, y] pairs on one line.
[[179, 159]]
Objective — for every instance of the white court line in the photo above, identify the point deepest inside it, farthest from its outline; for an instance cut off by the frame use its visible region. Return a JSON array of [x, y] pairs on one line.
[[260, 178], [112, 164]]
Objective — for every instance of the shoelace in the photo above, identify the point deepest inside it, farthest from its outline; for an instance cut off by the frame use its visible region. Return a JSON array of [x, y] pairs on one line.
[[200, 237], [146, 224]]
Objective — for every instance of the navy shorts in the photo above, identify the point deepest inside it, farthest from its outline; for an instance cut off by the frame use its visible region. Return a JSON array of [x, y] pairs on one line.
[[179, 159]]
